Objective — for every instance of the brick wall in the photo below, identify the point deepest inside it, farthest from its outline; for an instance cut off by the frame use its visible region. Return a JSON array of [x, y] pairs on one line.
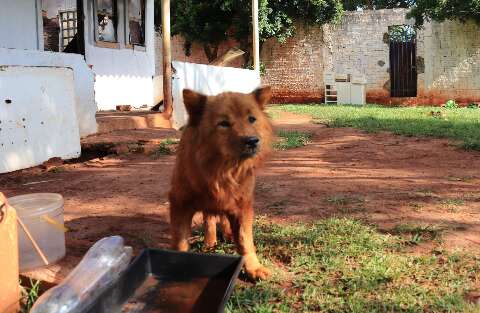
[[448, 59], [295, 69]]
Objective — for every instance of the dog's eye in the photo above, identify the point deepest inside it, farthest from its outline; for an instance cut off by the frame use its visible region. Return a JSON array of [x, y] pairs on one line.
[[252, 119], [225, 124]]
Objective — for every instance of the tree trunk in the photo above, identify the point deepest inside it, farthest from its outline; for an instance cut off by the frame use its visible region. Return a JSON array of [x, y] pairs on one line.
[[228, 57], [211, 51]]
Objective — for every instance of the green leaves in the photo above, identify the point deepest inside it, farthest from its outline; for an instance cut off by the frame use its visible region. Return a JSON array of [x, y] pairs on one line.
[[209, 23], [440, 10]]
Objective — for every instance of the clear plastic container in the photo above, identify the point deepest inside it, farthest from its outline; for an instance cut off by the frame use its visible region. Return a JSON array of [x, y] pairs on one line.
[[42, 214]]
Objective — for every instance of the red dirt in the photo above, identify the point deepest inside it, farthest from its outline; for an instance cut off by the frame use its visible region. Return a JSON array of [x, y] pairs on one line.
[[382, 179]]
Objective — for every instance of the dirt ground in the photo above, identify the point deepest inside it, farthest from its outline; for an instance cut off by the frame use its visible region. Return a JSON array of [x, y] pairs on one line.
[[383, 179]]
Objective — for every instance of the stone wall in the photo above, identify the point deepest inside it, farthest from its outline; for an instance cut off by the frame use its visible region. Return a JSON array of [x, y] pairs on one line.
[[359, 45], [452, 62], [448, 59]]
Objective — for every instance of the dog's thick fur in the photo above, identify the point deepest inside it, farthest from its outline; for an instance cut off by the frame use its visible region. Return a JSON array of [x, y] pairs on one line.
[[215, 169]]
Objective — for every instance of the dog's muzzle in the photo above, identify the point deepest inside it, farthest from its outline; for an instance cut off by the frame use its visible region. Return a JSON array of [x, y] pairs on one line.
[[250, 145]]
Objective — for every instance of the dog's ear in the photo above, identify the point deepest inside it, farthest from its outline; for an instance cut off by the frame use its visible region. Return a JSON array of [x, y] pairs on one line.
[[195, 105], [263, 95]]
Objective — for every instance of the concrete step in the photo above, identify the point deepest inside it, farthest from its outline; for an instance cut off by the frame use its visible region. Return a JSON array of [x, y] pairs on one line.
[[111, 121]]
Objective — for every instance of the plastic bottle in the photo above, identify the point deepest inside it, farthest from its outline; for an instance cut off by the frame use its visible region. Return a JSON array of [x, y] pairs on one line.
[[101, 265]]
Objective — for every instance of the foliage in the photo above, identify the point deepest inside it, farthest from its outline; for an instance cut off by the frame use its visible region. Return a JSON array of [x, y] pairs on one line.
[[440, 10], [462, 124], [30, 294], [210, 22], [451, 104], [166, 147], [291, 139], [342, 265]]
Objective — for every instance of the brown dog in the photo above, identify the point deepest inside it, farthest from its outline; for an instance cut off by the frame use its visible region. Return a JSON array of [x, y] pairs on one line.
[[225, 140]]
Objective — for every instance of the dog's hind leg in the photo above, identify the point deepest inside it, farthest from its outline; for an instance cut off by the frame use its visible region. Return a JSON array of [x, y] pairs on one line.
[[226, 228], [210, 224], [242, 227], [181, 228]]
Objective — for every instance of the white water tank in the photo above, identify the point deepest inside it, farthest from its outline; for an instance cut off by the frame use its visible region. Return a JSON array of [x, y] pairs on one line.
[[358, 94]]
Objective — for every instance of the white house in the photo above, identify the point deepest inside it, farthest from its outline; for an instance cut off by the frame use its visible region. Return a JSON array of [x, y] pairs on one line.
[[61, 61], [109, 44]]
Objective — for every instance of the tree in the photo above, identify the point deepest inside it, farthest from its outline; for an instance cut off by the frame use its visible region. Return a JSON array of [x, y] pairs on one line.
[[440, 10], [209, 22]]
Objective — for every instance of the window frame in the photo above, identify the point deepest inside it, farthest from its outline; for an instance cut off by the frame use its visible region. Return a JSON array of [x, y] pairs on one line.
[[128, 44], [122, 28], [101, 43]]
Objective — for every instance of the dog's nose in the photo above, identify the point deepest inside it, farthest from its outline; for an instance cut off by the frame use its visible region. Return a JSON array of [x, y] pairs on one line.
[[251, 141]]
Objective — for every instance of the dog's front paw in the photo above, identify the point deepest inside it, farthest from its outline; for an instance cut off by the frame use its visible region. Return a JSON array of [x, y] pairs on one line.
[[258, 273]]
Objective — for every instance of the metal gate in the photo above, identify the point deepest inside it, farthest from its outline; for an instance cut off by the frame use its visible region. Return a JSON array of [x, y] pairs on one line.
[[403, 70]]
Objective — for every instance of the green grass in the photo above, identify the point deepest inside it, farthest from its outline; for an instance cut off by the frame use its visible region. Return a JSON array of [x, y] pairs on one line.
[[290, 139], [417, 234], [341, 265], [460, 124], [165, 147], [30, 294], [452, 205]]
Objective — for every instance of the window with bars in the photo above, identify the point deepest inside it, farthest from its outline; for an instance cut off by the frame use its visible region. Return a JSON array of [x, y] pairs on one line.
[[107, 21], [68, 27], [136, 22]]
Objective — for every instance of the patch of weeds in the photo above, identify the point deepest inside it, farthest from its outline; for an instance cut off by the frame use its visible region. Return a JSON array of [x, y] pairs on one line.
[[166, 147], [290, 139], [473, 105], [342, 201], [342, 265], [273, 113], [416, 207], [351, 210], [146, 239], [451, 104], [425, 192], [470, 145], [222, 246], [58, 169], [452, 205], [417, 234], [277, 207], [465, 179], [30, 294]]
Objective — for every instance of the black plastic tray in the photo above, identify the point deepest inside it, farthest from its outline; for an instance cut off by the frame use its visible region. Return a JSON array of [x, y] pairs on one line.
[[173, 282]]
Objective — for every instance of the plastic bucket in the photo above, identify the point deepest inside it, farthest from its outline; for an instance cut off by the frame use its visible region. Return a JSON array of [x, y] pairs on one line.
[[42, 214]]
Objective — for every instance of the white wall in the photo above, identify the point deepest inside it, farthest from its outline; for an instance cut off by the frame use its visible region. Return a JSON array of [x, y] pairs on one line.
[[38, 122], [53, 6], [83, 78], [123, 75], [21, 24], [209, 80]]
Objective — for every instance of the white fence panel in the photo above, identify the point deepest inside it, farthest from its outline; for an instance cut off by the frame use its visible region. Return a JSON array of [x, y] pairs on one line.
[[209, 80], [37, 116]]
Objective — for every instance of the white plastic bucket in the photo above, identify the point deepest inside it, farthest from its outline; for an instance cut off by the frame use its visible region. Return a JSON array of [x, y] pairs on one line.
[[42, 214]]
